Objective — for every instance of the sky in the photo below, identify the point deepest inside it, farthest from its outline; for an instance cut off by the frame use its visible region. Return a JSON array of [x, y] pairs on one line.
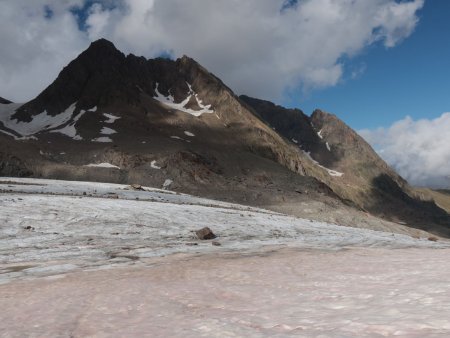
[[380, 65]]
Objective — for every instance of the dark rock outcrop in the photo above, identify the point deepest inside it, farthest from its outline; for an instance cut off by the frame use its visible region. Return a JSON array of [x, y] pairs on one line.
[[11, 165], [4, 101]]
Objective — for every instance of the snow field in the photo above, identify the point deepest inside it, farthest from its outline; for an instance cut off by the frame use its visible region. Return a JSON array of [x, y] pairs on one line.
[[97, 224]]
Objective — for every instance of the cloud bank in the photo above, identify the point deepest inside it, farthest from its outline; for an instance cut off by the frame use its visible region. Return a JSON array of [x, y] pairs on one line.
[[418, 150], [258, 47]]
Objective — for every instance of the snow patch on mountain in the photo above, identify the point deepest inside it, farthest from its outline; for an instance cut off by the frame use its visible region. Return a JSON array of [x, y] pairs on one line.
[[110, 118], [39, 123], [330, 172], [154, 165], [179, 138], [167, 183], [70, 130], [107, 131], [102, 165], [170, 102], [21, 138], [102, 139]]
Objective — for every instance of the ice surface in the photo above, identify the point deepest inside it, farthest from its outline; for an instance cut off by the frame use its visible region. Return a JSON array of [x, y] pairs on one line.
[[294, 140], [79, 223], [188, 133], [328, 146], [322, 294], [170, 102], [320, 134]]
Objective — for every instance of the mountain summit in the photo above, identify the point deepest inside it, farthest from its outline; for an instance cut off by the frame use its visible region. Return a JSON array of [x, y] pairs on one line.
[[171, 123]]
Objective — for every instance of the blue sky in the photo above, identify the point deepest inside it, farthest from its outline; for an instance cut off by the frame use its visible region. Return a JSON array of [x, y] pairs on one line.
[[412, 78]]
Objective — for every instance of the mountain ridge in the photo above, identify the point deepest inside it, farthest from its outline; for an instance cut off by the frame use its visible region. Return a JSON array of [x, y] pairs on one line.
[[4, 101], [162, 120]]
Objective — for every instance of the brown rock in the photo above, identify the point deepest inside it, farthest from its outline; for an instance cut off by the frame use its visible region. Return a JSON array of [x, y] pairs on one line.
[[215, 243], [205, 234]]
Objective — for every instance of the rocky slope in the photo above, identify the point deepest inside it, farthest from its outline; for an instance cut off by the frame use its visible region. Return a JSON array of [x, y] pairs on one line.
[[367, 181], [441, 197], [125, 119]]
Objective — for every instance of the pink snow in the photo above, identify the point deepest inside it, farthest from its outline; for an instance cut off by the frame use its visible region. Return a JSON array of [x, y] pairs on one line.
[[310, 293]]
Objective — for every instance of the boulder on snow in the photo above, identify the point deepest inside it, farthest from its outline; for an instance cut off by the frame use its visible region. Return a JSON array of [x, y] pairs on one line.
[[205, 233], [136, 187]]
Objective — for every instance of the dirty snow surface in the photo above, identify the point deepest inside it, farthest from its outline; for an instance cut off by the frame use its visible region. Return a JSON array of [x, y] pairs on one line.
[[84, 259]]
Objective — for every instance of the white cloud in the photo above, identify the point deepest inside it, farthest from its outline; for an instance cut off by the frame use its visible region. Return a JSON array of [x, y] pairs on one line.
[[33, 48], [252, 45], [418, 150]]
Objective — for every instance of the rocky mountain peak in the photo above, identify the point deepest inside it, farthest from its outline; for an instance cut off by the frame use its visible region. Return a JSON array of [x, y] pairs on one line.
[[101, 54], [103, 44], [103, 76], [88, 78]]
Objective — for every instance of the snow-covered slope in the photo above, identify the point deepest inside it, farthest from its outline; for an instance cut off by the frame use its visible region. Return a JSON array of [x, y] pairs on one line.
[[92, 259], [51, 227]]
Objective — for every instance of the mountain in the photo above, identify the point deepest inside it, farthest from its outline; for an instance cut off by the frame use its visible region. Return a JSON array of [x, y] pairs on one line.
[[367, 181], [158, 122], [4, 101], [441, 197]]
